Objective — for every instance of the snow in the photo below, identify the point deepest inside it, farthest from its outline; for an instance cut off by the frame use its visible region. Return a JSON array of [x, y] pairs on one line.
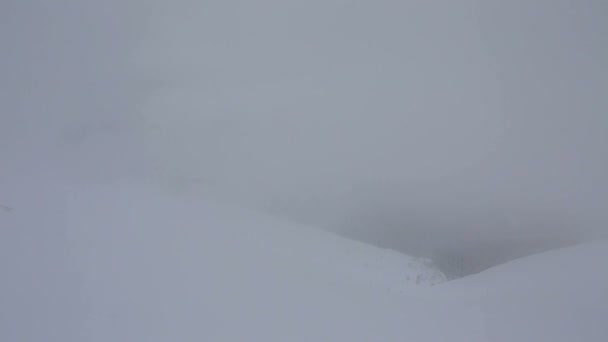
[[561, 295], [127, 263]]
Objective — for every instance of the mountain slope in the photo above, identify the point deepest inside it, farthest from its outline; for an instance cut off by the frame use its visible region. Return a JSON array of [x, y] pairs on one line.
[[561, 295], [134, 264], [163, 269]]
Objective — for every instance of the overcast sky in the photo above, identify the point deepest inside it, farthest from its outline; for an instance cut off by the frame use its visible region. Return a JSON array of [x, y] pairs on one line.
[[402, 122]]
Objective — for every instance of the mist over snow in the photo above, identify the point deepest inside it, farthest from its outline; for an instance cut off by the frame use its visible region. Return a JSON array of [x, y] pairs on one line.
[[265, 170], [416, 125], [130, 262], [432, 128], [69, 92]]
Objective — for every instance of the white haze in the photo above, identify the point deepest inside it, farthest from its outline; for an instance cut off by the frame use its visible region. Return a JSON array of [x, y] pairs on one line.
[[435, 128]]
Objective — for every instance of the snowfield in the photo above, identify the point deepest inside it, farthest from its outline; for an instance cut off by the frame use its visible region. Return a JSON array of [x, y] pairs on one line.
[[134, 264]]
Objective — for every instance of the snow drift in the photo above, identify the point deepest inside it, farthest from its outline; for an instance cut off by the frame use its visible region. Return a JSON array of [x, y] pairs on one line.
[[134, 264]]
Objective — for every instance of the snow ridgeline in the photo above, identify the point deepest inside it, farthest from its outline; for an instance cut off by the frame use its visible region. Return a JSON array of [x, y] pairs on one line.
[[131, 264], [183, 269], [167, 227]]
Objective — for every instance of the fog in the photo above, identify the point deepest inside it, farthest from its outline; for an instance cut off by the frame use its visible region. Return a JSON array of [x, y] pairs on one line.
[[68, 92], [468, 131]]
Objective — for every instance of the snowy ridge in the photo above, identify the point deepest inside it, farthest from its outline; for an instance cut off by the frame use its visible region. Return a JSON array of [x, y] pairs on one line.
[[138, 265], [187, 222], [197, 265]]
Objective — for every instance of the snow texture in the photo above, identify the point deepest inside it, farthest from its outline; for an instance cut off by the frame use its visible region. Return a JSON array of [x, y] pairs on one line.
[[134, 264]]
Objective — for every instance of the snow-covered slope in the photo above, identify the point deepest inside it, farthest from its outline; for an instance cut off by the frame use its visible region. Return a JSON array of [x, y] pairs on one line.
[[561, 295], [138, 265], [158, 269]]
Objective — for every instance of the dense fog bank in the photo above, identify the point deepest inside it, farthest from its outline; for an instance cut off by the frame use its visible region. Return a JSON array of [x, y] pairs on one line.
[[440, 129]]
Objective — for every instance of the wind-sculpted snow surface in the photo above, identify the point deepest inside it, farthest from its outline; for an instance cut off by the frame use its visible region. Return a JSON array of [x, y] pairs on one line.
[[139, 265]]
